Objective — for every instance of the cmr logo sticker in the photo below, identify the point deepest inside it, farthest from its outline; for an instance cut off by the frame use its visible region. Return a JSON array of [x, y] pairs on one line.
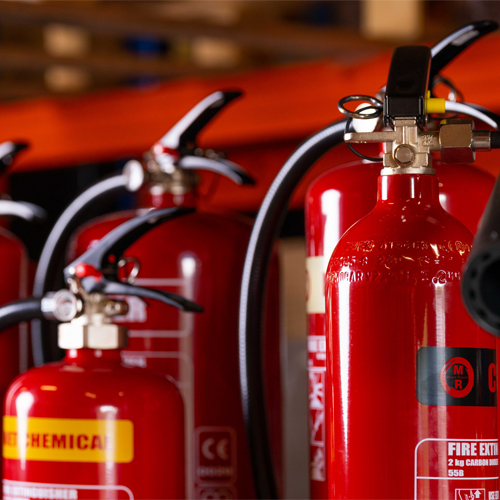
[[456, 376]]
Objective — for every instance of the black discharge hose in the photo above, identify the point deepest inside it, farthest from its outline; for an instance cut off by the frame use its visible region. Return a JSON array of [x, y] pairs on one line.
[[21, 310], [481, 279], [266, 228], [55, 247]]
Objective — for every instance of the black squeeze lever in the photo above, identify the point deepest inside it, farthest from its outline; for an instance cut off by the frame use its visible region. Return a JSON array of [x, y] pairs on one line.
[[407, 84], [98, 267], [181, 139], [183, 134], [450, 47]]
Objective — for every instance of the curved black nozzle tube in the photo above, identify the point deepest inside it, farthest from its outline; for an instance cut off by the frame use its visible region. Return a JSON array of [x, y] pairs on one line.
[[21, 310], [481, 279], [55, 247], [266, 228]]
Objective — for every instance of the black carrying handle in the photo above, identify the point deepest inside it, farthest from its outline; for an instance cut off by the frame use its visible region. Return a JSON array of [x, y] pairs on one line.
[[104, 258], [219, 166], [182, 138], [481, 278], [183, 134], [450, 47], [407, 84], [117, 241]]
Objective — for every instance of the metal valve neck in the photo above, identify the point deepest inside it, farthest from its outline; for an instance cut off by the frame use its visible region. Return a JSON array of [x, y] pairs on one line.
[[409, 152], [164, 176], [91, 323]]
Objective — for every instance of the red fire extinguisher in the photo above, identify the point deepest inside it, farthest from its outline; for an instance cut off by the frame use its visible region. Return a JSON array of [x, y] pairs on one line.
[[90, 426], [399, 341], [13, 273], [202, 258], [258, 251], [334, 202]]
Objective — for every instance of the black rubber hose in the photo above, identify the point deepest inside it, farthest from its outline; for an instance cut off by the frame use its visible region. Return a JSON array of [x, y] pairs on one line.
[[55, 247], [21, 310], [252, 298], [495, 140]]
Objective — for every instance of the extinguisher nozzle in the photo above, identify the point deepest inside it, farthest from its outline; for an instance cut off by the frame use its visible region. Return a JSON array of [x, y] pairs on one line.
[[481, 290], [481, 279]]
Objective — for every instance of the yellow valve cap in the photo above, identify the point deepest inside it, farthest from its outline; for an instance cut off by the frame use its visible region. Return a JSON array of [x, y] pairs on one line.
[[434, 105]]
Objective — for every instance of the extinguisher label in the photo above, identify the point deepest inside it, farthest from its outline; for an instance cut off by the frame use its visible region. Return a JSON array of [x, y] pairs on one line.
[[68, 439], [460, 469], [456, 376], [23, 490], [215, 455], [315, 267]]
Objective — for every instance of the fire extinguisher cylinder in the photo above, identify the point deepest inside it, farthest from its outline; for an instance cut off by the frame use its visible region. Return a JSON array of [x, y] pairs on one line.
[[204, 256], [66, 421], [396, 273], [272, 211]]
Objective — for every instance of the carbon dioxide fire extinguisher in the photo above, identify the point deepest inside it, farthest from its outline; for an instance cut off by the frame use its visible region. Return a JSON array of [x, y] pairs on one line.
[[90, 426], [266, 226], [347, 193], [200, 257], [393, 302]]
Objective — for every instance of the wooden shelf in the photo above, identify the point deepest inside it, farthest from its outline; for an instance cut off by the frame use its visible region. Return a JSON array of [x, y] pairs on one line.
[[281, 107]]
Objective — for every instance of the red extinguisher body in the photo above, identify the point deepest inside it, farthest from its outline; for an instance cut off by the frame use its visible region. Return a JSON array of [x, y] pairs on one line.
[[201, 258], [91, 427], [334, 202], [411, 380], [14, 282], [13, 286]]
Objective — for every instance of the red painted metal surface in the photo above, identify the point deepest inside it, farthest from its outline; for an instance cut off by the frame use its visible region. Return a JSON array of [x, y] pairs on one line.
[[135, 450], [201, 258], [334, 202], [13, 285], [410, 374]]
